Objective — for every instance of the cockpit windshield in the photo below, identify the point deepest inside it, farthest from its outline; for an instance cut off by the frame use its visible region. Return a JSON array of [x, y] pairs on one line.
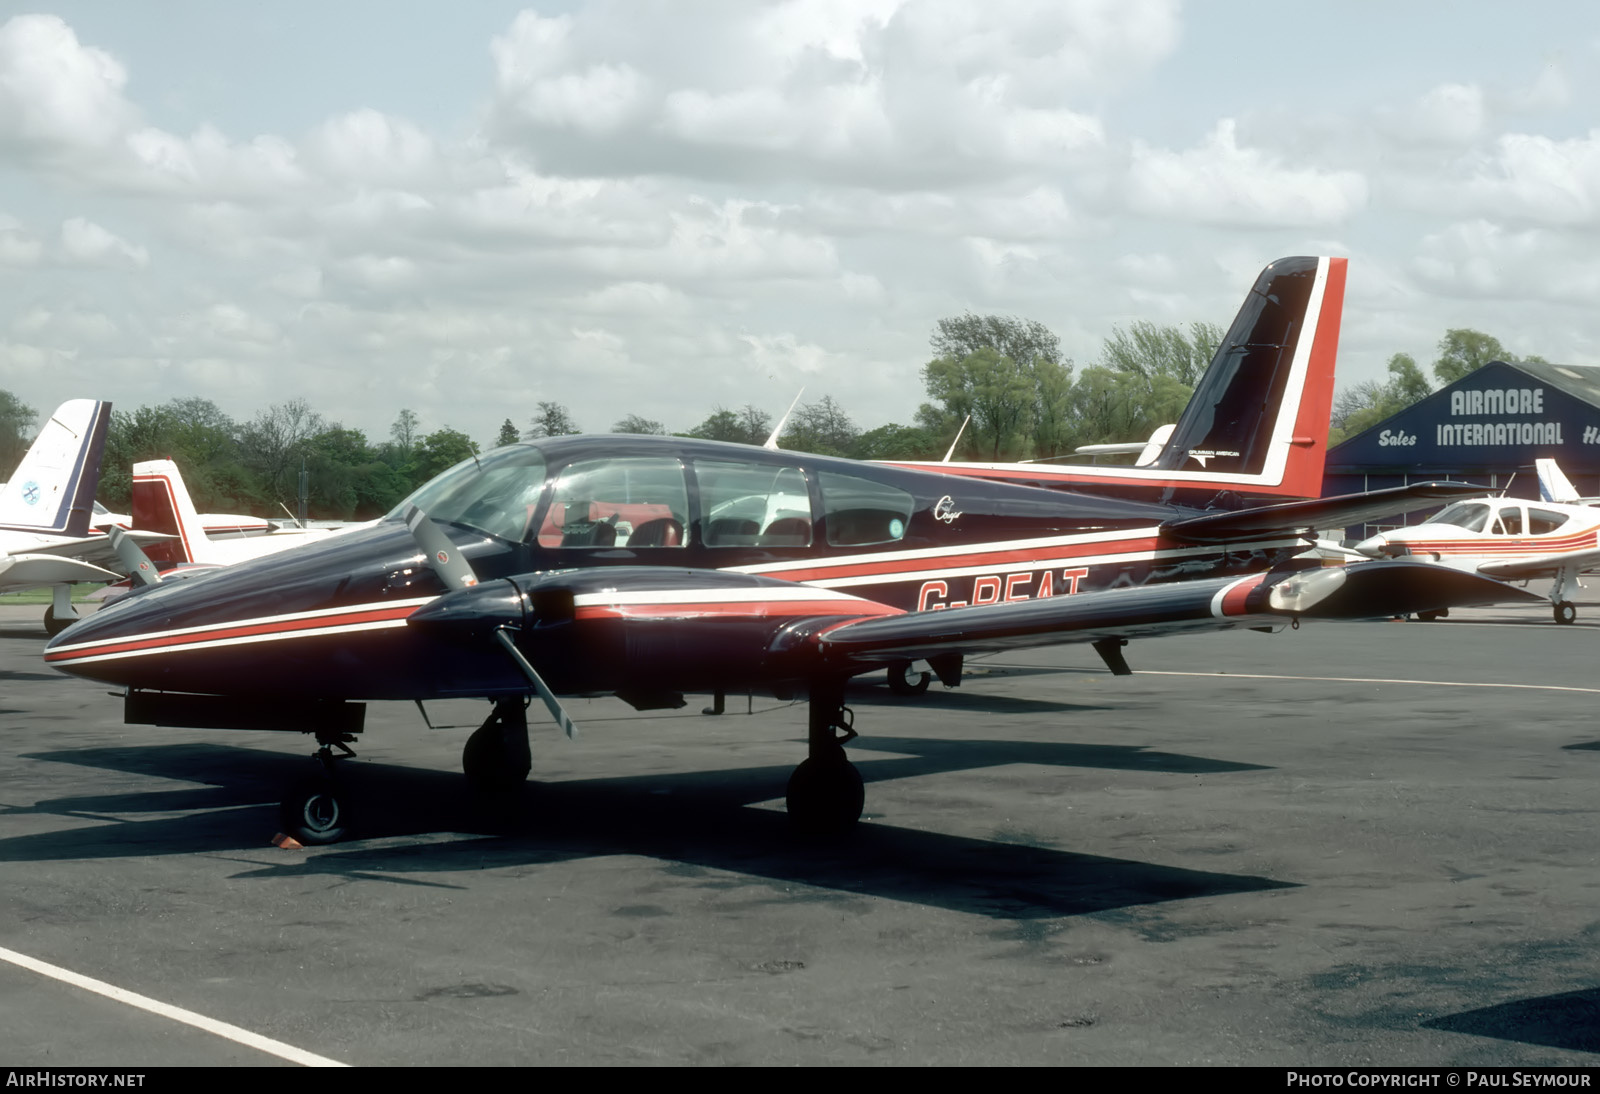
[[496, 493], [1471, 515]]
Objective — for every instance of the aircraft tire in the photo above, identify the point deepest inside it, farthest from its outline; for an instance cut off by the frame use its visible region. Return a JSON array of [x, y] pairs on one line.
[[1429, 617], [53, 624], [314, 814], [1566, 611], [901, 682], [492, 761], [825, 796]]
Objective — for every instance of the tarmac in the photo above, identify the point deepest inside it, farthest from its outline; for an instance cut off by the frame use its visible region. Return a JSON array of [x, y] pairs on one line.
[[1344, 844]]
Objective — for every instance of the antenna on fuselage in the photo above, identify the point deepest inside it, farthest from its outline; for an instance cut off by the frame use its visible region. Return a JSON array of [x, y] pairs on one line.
[[957, 441], [772, 441]]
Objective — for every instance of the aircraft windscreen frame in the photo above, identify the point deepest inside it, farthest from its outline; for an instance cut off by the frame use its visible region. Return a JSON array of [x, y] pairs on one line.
[[494, 494]]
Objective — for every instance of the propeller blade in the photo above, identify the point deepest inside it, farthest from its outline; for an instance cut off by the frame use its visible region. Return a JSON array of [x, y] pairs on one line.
[[557, 711], [140, 568], [453, 569]]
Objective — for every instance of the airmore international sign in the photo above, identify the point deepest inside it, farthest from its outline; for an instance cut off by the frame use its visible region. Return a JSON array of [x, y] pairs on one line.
[[1505, 401], [1501, 418]]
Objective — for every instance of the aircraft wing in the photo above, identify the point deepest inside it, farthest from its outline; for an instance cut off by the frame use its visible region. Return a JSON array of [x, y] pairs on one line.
[[1358, 591], [32, 571], [1541, 565], [1306, 516], [97, 551]]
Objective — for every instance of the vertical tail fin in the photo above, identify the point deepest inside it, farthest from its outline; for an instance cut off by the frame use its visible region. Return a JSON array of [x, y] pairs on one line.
[[1262, 407], [52, 489], [1553, 485], [161, 503]]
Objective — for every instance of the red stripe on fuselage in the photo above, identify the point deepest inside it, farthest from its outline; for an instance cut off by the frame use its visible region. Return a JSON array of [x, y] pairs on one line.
[[307, 627]]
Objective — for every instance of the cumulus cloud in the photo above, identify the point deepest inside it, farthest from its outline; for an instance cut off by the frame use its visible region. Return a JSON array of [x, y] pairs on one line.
[[1220, 182], [85, 243], [55, 92], [885, 94]]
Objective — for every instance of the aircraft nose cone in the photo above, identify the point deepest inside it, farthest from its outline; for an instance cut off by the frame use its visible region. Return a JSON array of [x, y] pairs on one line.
[[1373, 546]]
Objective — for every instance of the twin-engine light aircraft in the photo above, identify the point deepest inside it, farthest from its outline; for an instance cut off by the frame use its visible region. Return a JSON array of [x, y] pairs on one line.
[[647, 567], [1507, 538]]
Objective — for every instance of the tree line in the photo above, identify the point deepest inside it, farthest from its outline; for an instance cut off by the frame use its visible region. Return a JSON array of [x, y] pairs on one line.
[[1004, 377]]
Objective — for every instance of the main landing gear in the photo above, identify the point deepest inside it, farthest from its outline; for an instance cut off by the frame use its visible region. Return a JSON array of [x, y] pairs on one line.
[[902, 681], [1565, 611], [60, 614], [313, 812], [825, 793]]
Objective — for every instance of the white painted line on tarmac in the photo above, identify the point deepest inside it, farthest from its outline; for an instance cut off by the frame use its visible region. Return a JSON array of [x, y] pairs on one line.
[[166, 1010], [1370, 680]]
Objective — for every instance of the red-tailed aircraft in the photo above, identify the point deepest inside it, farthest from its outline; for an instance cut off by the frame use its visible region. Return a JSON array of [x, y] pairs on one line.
[[648, 567]]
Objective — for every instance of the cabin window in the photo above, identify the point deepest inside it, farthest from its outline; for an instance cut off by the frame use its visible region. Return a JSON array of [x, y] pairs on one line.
[[493, 493], [1510, 522], [1541, 521], [610, 502], [861, 512], [1471, 515], [753, 505]]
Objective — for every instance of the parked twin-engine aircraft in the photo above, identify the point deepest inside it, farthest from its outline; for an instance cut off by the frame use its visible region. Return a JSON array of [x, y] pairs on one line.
[[1507, 538], [47, 506], [647, 567]]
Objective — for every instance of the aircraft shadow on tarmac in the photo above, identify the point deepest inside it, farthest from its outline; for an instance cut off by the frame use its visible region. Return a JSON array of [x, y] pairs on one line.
[[1570, 1021], [697, 820]]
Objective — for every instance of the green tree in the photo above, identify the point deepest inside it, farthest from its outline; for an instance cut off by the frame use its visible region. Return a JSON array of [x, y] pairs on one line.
[[748, 426], [552, 420], [508, 434], [633, 423], [821, 427], [440, 450], [1150, 350], [896, 442], [275, 442], [1465, 351], [996, 391], [16, 430], [1022, 340]]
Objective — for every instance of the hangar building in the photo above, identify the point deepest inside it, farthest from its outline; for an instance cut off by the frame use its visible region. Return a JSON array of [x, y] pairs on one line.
[[1487, 427]]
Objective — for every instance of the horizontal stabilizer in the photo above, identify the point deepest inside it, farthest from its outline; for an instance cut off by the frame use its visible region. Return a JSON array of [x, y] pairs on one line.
[[1305, 516]]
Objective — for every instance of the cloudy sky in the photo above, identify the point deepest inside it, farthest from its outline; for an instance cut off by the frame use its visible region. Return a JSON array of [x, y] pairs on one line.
[[658, 208]]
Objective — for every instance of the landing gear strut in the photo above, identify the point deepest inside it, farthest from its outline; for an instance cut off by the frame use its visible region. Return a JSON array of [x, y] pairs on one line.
[[825, 793], [314, 813], [496, 756]]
